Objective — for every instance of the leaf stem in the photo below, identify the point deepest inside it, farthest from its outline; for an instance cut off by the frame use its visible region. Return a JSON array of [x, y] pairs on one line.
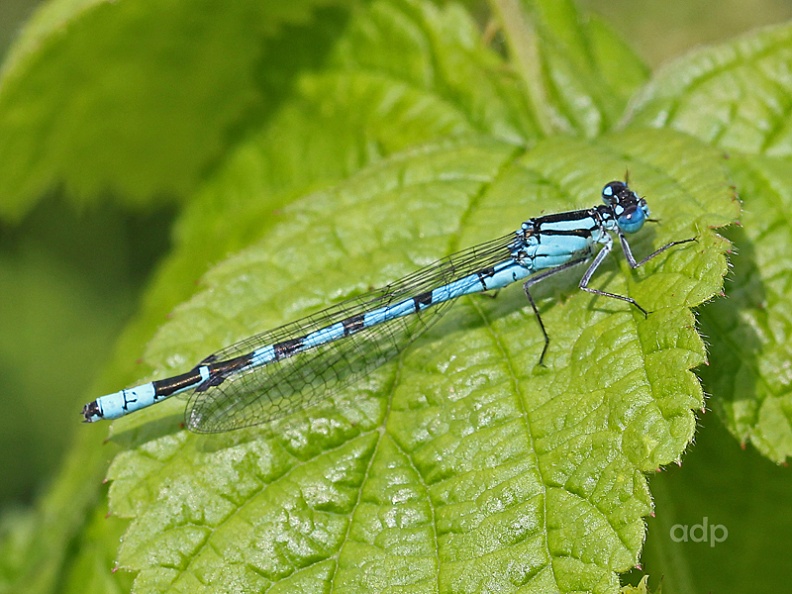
[[519, 30]]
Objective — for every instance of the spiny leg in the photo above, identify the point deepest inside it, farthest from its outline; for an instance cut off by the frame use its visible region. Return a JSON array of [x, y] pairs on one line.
[[631, 259], [603, 253], [633, 264]]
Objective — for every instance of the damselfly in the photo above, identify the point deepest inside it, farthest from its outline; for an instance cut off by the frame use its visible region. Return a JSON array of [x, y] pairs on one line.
[[293, 367]]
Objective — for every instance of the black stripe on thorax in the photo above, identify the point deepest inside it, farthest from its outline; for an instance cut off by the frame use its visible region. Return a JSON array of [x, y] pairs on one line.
[[566, 232], [572, 215]]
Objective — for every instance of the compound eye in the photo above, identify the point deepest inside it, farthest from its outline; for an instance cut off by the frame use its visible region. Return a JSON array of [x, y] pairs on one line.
[[611, 191], [632, 219]]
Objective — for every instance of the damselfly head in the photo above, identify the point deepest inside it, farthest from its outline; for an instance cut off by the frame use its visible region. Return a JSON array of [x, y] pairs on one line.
[[618, 192], [630, 211]]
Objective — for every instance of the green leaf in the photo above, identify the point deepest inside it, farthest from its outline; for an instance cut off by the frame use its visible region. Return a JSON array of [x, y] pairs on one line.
[[641, 588], [736, 95], [741, 498], [462, 462], [733, 95], [578, 74], [751, 333], [459, 466], [69, 528], [102, 97]]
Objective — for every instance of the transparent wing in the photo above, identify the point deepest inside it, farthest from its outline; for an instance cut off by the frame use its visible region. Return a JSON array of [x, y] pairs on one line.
[[271, 391]]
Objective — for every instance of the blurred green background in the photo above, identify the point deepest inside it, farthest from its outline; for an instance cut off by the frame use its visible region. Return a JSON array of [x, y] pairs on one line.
[[69, 280]]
